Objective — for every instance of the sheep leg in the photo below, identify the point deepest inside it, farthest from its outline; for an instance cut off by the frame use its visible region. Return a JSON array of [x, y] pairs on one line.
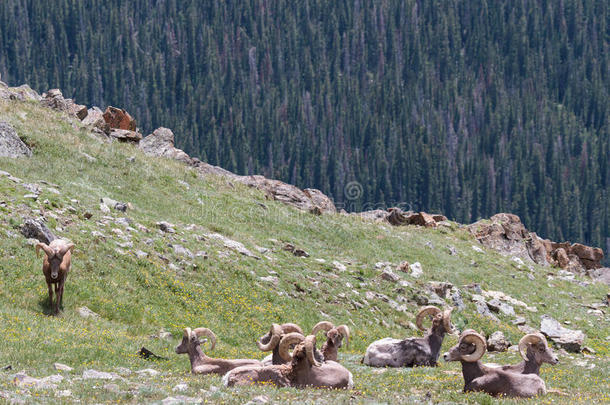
[[61, 293], [50, 294], [57, 298]]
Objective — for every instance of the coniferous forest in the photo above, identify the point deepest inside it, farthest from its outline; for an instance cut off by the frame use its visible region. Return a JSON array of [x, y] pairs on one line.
[[463, 107]]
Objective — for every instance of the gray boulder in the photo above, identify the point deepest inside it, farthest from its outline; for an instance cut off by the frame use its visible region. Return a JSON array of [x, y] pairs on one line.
[[497, 342], [10, 144], [36, 229], [161, 143], [568, 339]]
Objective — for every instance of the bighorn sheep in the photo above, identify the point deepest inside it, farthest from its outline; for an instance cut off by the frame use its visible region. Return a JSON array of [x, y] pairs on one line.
[[334, 338], [270, 341], [202, 364], [301, 370], [493, 381], [535, 350], [410, 352], [56, 266]]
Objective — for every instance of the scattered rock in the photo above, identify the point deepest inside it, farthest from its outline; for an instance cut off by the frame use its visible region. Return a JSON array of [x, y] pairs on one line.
[[374, 215], [112, 387], [261, 399], [498, 306], [87, 313], [456, 298], [99, 375], [119, 119], [147, 372], [403, 266], [497, 342], [166, 227], [602, 275], [182, 387], [36, 229], [62, 367], [161, 143], [25, 381], [519, 321], [233, 245], [182, 251], [340, 267], [124, 135], [289, 247], [389, 275], [568, 339], [440, 288], [416, 270], [10, 144], [484, 310], [180, 400], [270, 279], [63, 393], [109, 202]]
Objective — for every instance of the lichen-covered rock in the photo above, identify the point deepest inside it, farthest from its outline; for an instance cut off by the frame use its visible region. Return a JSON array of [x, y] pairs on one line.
[[55, 100], [36, 229], [497, 342], [118, 118], [568, 339]]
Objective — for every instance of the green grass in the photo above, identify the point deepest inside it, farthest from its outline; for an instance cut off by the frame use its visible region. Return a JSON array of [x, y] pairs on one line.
[[137, 297]]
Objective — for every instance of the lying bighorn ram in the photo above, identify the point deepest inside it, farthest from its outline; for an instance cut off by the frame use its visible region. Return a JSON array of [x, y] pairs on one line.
[[410, 352], [202, 364], [270, 341], [301, 370], [56, 266], [334, 338], [493, 381], [535, 350]]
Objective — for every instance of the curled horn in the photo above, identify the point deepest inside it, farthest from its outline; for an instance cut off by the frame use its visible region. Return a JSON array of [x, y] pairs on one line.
[[206, 332], [310, 345], [530, 339], [276, 333], [65, 248], [186, 332], [344, 330], [324, 325], [447, 320], [471, 336], [291, 327], [287, 340], [48, 251], [429, 310]]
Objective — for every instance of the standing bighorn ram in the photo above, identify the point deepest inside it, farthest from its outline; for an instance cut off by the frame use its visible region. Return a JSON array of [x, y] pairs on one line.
[[270, 341], [334, 338], [56, 266], [202, 364], [493, 381], [534, 350], [410, 352], [301, 370]]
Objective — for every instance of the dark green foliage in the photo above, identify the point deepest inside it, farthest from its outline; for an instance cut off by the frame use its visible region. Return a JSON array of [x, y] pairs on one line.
[[461, 107]]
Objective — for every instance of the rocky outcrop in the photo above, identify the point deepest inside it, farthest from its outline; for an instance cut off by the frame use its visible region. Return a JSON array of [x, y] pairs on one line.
[[161, 143], [55, 100], [119, 119], [36, 229], [507, 234], [311, 200], [10, 144], [95, 119], [21, 93], [397, 217]]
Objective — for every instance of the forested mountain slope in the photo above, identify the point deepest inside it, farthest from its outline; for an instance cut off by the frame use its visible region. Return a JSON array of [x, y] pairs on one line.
[[462, 107]]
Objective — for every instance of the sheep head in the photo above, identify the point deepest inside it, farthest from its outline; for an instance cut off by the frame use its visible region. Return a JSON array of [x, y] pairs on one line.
[[441, 320], [336, 334], [271, 339], [537, 344], [470, 347], [305, 349], [190, 338], [55, 253]]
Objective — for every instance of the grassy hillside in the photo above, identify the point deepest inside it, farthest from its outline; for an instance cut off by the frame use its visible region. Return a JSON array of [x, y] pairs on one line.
[[136, 297]]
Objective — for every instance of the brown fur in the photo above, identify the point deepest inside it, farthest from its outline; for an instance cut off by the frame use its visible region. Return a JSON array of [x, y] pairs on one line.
[[55, 267]]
